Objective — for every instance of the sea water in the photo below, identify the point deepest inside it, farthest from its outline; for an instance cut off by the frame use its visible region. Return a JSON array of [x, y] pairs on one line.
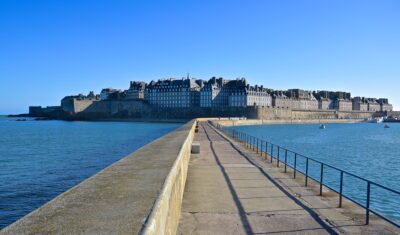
[[41, 159]]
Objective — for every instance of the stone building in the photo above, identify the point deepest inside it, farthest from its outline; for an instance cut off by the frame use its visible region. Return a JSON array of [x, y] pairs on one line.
[[106, 93], [324, 102], [302, 100], [385, 106], [250, 96], [360, 104], [334, 100], [172, 93], [343, 105], [216, 91], [136, 90], [210, 91], [373, 105], [280, 100]]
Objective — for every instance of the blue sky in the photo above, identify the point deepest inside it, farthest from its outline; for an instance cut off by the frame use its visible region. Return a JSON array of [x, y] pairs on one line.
[[49, 49]]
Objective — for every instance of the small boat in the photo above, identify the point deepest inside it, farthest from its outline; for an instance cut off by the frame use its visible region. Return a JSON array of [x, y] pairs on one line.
[[375, 120], [386, 126], [322, 126]]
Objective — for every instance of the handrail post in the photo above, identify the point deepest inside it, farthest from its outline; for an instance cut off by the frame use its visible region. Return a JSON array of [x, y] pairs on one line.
[[306, 172], [295, 163], [368, 201], [264, 152], [285, 160], [257, 145], [321, 179], [341, 189], [277, 162], [250, 139], [272, 151]]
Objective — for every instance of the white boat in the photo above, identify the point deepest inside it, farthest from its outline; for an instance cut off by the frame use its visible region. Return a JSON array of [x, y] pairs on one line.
[[322, 127], [375, 120]]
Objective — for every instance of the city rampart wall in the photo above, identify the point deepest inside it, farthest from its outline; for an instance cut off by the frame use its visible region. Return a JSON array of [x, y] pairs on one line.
[[141, 109]]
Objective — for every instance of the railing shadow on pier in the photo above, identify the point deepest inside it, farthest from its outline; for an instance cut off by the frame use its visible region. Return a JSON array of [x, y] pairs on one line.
[[301, 164]]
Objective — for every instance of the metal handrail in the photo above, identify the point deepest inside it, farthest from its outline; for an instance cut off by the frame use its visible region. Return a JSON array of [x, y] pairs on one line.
[[252, 142]]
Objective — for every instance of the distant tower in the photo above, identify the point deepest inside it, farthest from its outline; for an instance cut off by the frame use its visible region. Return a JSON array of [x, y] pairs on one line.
[[187, 76]]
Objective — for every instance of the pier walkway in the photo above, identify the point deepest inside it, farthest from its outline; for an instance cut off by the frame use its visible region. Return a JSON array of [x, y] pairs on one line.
[[228, 192]]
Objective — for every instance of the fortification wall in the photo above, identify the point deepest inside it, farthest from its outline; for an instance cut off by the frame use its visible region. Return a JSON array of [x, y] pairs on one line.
[[272, 113], [89, 106], [358, 114], [235, 122], [129, 108], [87, 109], [199, 112], [269, 113], [141, 109]]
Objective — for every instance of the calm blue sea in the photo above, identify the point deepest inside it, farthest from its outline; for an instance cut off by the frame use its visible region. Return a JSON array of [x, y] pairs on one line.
[[365, 149], [41, 159]]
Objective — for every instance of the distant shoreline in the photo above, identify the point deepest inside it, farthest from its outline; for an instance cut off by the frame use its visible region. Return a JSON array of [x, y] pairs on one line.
[[250, 122], [23, 116]]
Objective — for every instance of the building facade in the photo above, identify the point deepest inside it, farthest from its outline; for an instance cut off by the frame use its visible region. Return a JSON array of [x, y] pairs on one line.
[[360, 104], [302, 100], [136, 90], [216, 92], [219, 93], [385, 106], [250, 96], [171, 93], [280, 100], [343, 105]]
